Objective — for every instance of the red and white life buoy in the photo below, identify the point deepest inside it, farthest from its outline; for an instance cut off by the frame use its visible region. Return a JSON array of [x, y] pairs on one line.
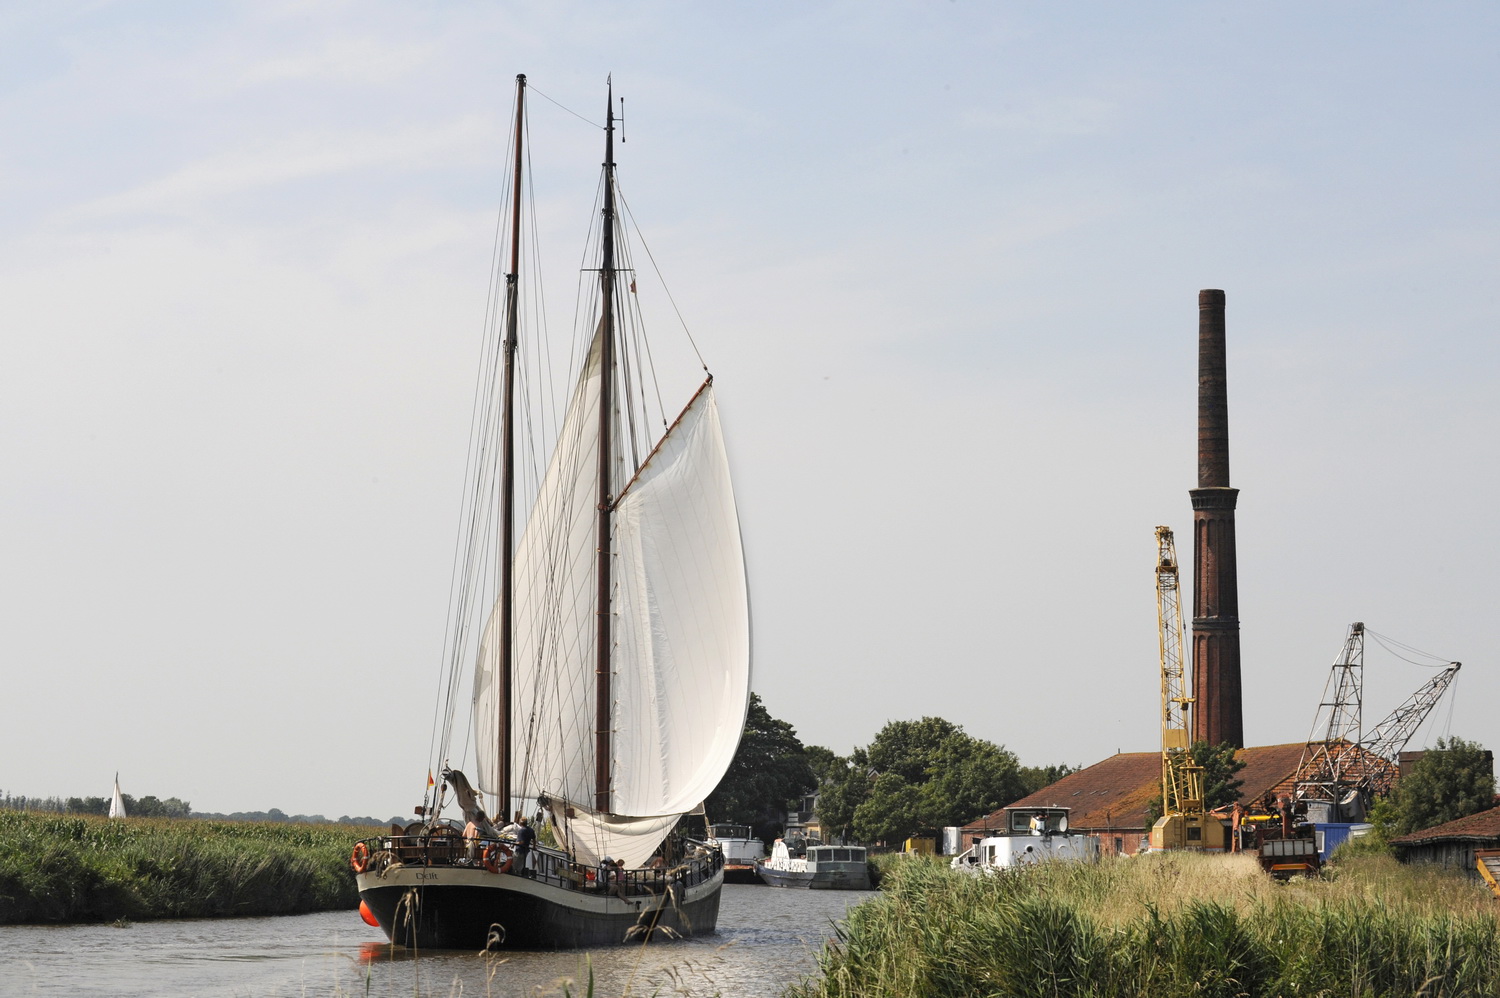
[[497, 858], [359, 860]]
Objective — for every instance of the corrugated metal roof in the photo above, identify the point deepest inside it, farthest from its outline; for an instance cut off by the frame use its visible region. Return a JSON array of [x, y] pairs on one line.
[[1483, 826], [1115, 793]]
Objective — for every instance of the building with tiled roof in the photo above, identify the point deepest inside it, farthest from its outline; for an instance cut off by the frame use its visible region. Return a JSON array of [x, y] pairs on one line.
[[1452, 843], [1109, 799]]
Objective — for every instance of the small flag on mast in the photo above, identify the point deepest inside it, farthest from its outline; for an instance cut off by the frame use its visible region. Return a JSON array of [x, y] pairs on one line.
[[429, 778]]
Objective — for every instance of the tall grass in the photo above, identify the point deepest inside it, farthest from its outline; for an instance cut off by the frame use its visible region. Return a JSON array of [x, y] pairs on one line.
[[56, 868], [1165, 926]]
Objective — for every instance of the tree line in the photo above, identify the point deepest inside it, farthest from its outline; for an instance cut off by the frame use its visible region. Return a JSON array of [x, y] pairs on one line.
[[172, 807], [914, 776]]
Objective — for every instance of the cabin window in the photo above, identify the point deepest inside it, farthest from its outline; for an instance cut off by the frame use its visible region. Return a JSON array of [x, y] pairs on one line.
[[841, 855], [1194, 833]]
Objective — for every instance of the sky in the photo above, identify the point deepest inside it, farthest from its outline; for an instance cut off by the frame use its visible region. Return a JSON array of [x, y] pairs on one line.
[[942, 257]]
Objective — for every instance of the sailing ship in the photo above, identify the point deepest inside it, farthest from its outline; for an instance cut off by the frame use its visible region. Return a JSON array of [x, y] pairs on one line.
[[611, 678]]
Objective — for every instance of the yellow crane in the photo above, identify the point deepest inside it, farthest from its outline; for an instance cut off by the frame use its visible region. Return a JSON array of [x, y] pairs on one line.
[[1183, 824]]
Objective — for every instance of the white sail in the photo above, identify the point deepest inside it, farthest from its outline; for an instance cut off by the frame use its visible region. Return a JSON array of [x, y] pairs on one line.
[[553, 631], [117, 802], [681, 630], [682, 622]]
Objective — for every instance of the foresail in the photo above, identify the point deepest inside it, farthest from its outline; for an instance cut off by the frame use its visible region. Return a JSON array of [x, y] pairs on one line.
[[682, 622]]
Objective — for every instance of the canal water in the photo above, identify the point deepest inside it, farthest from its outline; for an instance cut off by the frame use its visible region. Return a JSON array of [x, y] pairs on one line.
[[768, 938]]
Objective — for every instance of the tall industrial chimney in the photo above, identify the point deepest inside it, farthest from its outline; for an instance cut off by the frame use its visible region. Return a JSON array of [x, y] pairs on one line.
[[1218, 714]]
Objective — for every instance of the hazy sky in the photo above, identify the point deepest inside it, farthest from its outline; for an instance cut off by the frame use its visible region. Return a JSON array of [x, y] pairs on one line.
[[943, 258]]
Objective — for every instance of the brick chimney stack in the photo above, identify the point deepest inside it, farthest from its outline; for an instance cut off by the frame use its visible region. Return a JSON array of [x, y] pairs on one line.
[[1218, 714]]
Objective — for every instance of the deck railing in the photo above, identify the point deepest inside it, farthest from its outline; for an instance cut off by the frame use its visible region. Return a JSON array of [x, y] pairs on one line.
[[448, 848]]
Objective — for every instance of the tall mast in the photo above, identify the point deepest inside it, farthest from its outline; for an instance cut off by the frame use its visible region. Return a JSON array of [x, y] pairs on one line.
[[602, 631], [508, 466]]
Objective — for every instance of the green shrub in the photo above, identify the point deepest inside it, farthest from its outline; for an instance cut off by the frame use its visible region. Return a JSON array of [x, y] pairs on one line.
[[1166, 926], [56, 868]]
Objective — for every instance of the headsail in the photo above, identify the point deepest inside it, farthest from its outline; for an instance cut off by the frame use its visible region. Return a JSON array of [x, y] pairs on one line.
[[682, 632]]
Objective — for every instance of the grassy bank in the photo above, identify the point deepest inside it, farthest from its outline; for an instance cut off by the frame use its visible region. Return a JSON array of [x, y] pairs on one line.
[[56, 868], [1166, 926]]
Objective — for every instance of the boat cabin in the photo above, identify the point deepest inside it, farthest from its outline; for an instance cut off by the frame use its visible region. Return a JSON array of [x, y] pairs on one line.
[[740, 847], [835, 857]]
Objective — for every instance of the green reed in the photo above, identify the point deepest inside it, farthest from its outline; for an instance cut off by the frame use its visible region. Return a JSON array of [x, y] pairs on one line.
[[1165, 926], [56, 868]]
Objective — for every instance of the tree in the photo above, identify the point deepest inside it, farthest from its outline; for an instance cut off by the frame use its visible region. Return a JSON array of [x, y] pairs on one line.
[[892, 810], [916, 775], [843, 785], [967, 778], [1452, 781], [1220, 785], [1220, 764], [1034, 778], [769, 771]]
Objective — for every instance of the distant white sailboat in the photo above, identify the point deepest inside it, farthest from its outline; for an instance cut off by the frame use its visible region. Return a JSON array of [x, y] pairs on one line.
[[117, 802]]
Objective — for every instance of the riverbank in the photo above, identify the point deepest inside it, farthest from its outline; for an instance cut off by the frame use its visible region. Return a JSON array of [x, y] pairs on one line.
[[1165, 926], [56, 868]]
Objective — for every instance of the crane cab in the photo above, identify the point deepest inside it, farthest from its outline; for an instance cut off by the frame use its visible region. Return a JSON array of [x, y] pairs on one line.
[[1195, 832]]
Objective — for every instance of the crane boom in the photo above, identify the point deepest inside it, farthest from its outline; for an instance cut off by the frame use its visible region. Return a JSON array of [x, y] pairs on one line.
[[1182, 824], [1181, 783], [1391, 735]]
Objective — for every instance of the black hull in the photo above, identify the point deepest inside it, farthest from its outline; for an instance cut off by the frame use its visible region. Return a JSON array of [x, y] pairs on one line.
[[825, 881], [474, 910]]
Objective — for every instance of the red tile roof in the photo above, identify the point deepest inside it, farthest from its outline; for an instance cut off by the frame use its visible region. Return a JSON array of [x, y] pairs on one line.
[[1116, 792], [1484, 826]]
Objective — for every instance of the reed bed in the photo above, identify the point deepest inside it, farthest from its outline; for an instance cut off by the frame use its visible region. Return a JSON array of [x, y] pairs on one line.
[[76, 868], [1165, 926]]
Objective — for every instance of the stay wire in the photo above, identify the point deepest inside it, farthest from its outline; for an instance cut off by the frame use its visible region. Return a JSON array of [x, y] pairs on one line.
[[645, 246], [574, 113], [1436, 661]]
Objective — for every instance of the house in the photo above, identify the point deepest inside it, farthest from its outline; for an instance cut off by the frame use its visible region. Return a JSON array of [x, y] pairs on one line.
[[1109, 800], [1453, 843]]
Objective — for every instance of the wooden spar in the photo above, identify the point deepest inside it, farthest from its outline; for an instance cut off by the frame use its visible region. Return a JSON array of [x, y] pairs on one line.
[[508, 469], [602, 629]]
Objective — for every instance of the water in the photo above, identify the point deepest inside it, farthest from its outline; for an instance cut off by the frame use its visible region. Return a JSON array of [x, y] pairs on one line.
[[767, 939]]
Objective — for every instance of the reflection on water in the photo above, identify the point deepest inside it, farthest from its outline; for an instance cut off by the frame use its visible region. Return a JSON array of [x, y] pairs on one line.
[[767, 938]]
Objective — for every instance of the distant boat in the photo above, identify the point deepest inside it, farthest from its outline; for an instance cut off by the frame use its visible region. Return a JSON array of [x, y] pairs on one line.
[[612, 676], [1031, 835], [742, 852], [817, 867], [117, 802]]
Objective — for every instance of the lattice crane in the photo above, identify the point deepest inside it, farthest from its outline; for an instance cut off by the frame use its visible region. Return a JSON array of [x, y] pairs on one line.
[[1183, 825], [1346, 767]]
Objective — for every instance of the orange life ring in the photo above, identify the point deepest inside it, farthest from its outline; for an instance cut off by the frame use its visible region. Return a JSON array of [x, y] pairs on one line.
[[492, 863], [359, 860]]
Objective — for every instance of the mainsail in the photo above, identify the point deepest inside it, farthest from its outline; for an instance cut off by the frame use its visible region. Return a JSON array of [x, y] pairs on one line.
[[681, 633]]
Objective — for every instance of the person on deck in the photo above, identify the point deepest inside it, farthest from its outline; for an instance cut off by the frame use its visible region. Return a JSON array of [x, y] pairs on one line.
[[525, 838]]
